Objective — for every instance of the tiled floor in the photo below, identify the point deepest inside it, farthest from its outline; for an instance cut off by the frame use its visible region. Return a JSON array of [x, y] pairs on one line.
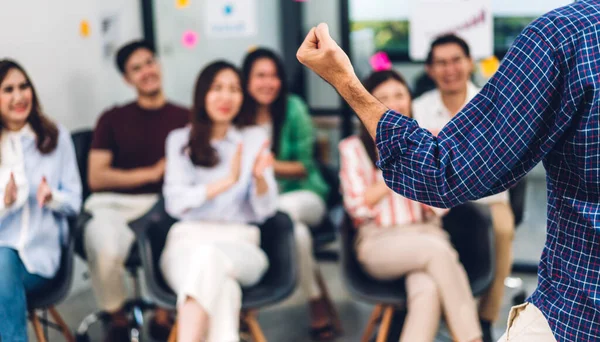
[[288, 321]]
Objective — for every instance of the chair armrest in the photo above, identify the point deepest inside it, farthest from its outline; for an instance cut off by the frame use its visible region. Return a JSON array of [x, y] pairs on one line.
[[77, 230]]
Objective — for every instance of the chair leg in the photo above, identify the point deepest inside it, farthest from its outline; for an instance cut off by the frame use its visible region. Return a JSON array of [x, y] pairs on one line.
[[375, 315], [173, 334], [384, 328], [61, 323], [255, 330], [335, 317], [37, 326]]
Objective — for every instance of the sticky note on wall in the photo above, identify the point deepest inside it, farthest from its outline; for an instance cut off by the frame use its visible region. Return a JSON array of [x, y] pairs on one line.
[[189, 39], [180, 4], [85, 29], [380, 61]]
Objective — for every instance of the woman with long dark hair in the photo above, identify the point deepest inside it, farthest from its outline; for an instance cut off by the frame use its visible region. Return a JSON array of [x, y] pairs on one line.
[[303, 190], [40, 186], [400, 237], [219, 182]]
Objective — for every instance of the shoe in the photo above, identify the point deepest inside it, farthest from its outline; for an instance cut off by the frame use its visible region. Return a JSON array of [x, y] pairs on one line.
[[159, 332], [117, 333], [486, 329]]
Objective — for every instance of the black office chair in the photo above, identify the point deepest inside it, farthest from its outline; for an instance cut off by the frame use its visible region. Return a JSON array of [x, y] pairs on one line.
[[45, 299], [277, 240], [326, 232], [134, 307], [471, 233]]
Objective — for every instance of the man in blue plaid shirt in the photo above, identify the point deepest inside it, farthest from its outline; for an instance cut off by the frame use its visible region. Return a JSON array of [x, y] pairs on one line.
[[543, 104]]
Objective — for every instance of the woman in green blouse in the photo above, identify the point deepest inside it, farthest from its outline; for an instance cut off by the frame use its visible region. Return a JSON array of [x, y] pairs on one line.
[[302, 187]]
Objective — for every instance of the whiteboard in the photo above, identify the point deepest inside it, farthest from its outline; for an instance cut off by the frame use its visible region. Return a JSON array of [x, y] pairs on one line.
[[73, 78], [181, 65]]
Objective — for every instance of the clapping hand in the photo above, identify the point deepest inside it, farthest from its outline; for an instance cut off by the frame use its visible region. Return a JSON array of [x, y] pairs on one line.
[[44, 193], [10, 192]]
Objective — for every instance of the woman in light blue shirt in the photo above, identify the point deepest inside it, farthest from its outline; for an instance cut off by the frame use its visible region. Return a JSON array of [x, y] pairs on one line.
[[219, 182], [40, 187]]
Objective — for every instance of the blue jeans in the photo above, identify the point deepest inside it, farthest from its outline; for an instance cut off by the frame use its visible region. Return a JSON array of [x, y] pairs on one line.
[[15, 282]]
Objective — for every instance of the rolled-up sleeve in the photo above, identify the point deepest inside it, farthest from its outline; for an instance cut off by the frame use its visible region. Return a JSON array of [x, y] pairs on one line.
[[66, 198], [494, 141]]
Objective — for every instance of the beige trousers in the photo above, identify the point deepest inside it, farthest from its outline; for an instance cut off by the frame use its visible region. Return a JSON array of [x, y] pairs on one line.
[[108, 240], [306, 209], [527, 324], [208, 262], [435, 278], [504, 232]]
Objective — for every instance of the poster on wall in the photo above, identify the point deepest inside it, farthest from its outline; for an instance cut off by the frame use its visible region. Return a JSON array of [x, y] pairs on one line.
[[230, 18], [109, 23], [470, 19]]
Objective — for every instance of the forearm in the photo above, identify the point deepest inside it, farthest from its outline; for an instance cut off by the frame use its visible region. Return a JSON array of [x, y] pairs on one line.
[[216, 188], [375, 193], [285, 169], [367, 107], [262, 187], [111, 178]]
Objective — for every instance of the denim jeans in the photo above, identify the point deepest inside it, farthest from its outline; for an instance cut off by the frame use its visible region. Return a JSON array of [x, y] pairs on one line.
[[15, 282]]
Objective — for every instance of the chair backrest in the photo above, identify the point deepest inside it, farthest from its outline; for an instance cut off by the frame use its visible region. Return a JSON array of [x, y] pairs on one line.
[[331, 178], [517, 200], [82, 140]]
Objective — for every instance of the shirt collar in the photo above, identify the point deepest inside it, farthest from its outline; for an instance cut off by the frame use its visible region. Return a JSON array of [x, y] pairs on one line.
[[440, 109], [233, 135], [26, 131]]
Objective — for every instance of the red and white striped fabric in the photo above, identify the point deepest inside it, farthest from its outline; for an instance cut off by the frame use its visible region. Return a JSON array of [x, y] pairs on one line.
[[357, 174]]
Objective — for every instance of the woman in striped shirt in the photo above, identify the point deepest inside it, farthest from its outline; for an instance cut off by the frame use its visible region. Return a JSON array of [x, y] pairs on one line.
[[399, 237]]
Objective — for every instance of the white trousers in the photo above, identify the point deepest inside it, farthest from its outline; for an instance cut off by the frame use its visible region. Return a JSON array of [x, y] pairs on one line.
[[526, 323], [107, 241], [208, 262], [306, 209]]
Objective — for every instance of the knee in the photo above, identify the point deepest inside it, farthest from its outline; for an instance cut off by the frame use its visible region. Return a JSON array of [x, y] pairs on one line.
[[441, 249], [303, 237], [422, 286]]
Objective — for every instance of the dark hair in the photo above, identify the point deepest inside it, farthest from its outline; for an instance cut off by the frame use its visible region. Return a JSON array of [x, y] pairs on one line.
[[448, 39], [45, 130], [199, 148], [126, 51], [374, 80], [278, 108]]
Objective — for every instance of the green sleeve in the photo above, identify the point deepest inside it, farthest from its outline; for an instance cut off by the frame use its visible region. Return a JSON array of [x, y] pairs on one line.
[[304, 137]]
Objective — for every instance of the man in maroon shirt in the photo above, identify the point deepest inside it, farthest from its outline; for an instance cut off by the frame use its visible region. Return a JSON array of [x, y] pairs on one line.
[[126, 167]]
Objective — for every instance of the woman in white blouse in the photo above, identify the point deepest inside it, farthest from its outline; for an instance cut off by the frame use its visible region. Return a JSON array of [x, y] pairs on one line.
[[399, 237], [219, 182], [40, 186]]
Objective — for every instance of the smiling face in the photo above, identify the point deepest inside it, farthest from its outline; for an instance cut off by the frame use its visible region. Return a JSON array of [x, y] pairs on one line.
[[450, 68], [264, 84], [224, 97], [16, 98], [394, 95], [143, 72]]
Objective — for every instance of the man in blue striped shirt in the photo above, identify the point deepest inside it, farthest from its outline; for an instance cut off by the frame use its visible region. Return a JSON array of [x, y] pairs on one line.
[[543, 104]]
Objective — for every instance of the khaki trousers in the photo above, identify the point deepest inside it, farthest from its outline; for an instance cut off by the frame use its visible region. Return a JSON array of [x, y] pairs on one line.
[[435, 279], [527, 324], [504, 232]]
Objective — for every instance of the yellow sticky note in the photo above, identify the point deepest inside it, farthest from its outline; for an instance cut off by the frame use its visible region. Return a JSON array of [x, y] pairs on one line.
[[252, 48], [182, 3], [84, 28], [489, 66]]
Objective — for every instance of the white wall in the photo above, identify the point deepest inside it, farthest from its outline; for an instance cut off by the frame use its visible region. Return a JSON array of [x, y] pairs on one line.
[[74, 81]]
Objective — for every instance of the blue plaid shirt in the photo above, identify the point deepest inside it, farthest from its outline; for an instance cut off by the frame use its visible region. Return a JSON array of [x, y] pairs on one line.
[[543, 104]]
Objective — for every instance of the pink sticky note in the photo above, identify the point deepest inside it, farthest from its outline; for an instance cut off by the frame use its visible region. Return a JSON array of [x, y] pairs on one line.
[[380, 61], [189, 39]]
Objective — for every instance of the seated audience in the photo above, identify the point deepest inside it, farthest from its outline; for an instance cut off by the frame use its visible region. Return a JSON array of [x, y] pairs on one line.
[[219, 182], [41, 187], [399, 237], [126, 166], [450, 65], [303, 190]]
